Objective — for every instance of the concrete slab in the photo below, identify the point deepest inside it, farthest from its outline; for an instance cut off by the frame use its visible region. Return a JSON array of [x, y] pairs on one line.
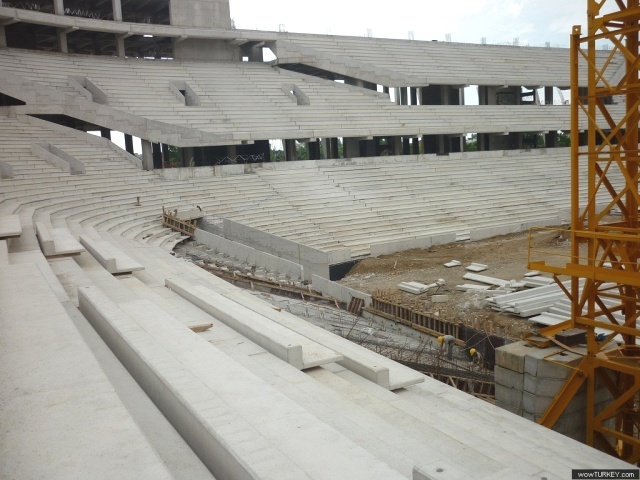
[[290, 346], [10, 226], [113, 260], [58, 421], [258, 434], [510, 397], [364, 362], [508, 378], [57, 242], [553, 363], [512, 356], [36, 257]]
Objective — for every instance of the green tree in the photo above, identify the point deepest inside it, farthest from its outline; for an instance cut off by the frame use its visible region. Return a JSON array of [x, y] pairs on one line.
[[564, 139], [471, 143], [173, 157], [302, 152]]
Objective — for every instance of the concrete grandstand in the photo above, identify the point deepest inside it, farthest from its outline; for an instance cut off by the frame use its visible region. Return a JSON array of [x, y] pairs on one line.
[[102, 371]]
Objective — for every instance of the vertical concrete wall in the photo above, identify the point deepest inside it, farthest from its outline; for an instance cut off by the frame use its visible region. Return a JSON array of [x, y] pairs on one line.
[[205, 50], [337, 291], [528, 378], [313, 261], [200, 13], [249, 255]]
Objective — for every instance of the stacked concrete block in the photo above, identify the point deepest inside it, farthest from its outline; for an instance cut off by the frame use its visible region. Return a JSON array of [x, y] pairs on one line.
[[528, 379]]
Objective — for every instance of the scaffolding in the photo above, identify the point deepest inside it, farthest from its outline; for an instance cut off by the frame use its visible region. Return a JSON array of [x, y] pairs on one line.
[[605, 237]]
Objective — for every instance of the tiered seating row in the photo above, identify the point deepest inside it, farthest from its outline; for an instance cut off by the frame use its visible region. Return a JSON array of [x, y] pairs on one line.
[[249, 100], [247, 408], [456, 63]]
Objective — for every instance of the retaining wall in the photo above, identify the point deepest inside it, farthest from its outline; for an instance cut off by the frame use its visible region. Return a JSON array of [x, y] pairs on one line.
[[313, 261], [337, 291], [249, 255]]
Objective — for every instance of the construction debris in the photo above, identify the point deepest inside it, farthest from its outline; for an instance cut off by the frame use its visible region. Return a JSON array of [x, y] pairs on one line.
[[477, 267], [453, 263], [496, 282], [470, 286], [528, 303], [415, 287]]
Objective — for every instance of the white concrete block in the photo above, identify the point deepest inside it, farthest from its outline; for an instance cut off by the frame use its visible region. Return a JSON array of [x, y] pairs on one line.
[[287, 345], [477, 267], [10, 226], [508, 378], [109, 256], [440, 298]]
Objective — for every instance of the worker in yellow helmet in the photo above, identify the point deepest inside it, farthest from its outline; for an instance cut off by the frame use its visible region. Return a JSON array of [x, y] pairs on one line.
[[476, 357], [447, 341]]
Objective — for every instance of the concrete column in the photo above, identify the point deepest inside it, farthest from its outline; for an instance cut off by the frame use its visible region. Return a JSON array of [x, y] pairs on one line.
[[445, 98], [232, 151], [105, 133], [147, 155], [117, 10], [326, 144], [128, 143], [551, 138], [58, 7], [395, 145], [3, 37], [290, 154], [62, 42], [120, 49], [351, 148]]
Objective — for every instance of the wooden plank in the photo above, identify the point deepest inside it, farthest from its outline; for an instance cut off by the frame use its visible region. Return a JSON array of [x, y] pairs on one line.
[[201, 328]]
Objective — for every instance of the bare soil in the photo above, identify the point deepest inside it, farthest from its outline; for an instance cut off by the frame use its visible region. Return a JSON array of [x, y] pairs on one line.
[[506, 257]]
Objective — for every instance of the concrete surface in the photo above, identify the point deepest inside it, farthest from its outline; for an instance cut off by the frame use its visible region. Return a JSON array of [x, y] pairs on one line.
[[58, 420], [10, 226]]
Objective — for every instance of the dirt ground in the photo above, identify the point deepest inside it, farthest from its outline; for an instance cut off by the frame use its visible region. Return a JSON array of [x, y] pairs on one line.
[[506, 257]]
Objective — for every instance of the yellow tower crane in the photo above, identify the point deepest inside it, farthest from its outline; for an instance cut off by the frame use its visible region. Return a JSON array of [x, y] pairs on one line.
[[605, 240]]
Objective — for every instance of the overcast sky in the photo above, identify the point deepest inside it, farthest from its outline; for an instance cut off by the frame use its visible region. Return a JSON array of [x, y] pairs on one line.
[[532, 22]]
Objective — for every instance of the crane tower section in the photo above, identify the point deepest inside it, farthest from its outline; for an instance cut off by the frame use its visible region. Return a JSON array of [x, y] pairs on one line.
[[605, 234]]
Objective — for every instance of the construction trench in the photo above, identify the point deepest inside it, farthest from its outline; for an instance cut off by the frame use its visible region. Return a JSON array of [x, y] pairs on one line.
[[466, 335], [401, 326]]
